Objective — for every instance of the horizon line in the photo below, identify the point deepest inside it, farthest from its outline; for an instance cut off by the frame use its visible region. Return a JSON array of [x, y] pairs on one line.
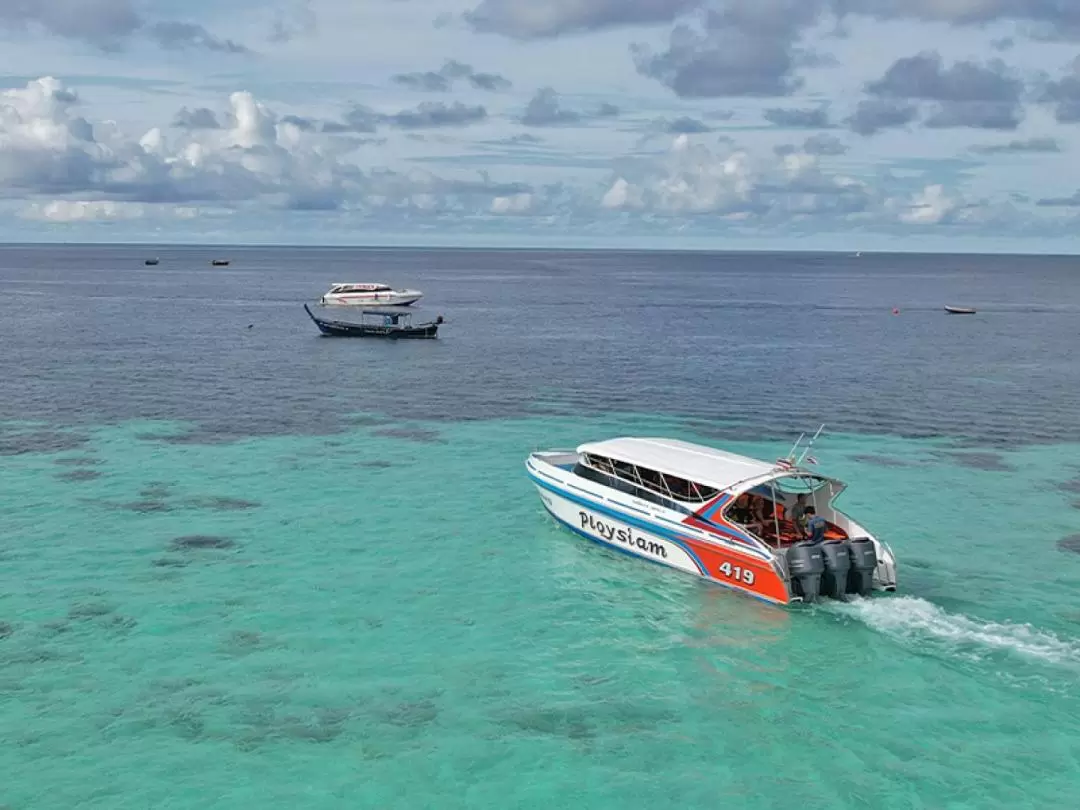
[[528, 248]]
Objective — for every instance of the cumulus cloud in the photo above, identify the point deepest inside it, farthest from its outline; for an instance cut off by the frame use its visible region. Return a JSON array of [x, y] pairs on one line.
[[107, 24], [694, 180], [1060, 202], [683, 125], [436, 114], [182, 35], [965, 94], [876, 114], [516, 204], [1064, 95], [530, 19], [71, 168], [545, 109], [741, 48], [804, 118], [442, 80], [293, 22], [1030, 145], [199, 118], [930, 206], [62, 211], [824, 144]]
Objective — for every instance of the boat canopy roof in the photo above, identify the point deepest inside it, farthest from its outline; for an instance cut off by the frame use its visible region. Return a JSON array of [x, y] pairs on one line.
[[695, 462], [359, 286]]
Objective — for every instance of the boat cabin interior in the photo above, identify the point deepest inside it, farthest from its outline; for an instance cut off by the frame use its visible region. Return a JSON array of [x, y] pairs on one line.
[[766, 511]]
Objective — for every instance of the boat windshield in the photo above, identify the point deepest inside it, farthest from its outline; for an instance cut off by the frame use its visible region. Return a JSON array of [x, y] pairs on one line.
[[772, 510], [794, 483]]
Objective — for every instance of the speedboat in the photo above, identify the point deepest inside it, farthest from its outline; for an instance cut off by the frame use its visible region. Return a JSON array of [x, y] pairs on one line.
[[959, 310], [683, 505], [369, 294]]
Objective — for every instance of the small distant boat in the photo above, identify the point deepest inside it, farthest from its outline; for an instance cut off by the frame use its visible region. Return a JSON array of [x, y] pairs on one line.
[[384, 322], [369, 294], [959, 311], [151, 262], [220, 263]]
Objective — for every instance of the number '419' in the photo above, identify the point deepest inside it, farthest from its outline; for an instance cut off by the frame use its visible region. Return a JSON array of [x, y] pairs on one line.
[[738, 573]]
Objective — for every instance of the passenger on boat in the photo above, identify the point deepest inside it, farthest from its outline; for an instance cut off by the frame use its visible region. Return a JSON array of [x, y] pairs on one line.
[[740, 510], [759, 521], [796, 515], [815, 526]]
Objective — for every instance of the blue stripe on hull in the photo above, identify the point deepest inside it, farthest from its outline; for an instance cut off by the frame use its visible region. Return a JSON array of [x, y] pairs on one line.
[[645, 526]]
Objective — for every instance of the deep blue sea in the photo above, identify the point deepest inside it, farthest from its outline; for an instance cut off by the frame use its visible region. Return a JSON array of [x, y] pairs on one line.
[[242, 565]]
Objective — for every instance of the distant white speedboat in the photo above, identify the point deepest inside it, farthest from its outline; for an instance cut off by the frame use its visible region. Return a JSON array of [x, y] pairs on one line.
[[369, 294]]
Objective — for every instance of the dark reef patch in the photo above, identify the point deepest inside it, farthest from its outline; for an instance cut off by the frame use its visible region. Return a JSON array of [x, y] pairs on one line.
[[40, 441], [169, 562], [882, 461], [156, 498], [78, 475], [423, 435], [243, 642], [1070, 486], [573, 724], [155, 491], [6, 630], [220, 503], [988, 462], [1070, 543], [77, 461], [199, 542], [412, 714], [144, 506], [377, 464], [365, 420], [90, 610]]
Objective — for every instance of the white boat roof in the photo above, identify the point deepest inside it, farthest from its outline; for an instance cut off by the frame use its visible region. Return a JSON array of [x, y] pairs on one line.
[[362, 285], [698, 463]]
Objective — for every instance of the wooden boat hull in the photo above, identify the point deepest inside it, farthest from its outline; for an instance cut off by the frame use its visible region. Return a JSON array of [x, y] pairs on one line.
[[424, 331]]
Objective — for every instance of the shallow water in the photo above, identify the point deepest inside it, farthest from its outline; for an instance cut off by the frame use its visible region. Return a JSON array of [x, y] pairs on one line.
[[352, 607]]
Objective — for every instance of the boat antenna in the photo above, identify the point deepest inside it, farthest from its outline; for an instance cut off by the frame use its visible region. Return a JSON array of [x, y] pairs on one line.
[[794, 447], [810, 445]]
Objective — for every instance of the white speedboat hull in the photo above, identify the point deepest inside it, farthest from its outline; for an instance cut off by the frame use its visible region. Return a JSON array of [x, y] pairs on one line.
[[394, 298], [703, 540]]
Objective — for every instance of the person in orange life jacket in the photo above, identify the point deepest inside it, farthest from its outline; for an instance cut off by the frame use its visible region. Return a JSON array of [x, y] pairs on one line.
[[815, 526]]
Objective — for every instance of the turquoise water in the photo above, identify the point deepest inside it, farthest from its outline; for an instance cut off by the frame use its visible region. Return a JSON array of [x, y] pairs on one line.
[[386, 617]]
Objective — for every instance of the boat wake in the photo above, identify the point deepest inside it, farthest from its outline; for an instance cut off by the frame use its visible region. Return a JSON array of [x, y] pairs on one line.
[[916, 621]]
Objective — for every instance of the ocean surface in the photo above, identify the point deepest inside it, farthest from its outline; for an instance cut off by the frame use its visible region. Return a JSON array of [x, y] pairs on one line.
[[243, 566]]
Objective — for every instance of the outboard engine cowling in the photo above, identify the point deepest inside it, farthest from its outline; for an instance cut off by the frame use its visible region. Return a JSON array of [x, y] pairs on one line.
[[837, 564], [863, 564], [806, 564]]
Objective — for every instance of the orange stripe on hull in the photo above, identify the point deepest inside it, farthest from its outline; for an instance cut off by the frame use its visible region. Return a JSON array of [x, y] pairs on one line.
[[745, 573]]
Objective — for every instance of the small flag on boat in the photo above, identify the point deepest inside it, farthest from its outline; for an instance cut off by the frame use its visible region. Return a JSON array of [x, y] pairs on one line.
[[783, 464]]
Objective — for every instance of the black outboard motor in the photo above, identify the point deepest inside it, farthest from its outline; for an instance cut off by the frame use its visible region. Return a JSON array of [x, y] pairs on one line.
[[837, 565], [863, 565], [806, 564]]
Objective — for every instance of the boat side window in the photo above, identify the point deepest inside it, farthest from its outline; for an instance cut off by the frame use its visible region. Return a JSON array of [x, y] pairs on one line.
[[660, 487], [621, 476]]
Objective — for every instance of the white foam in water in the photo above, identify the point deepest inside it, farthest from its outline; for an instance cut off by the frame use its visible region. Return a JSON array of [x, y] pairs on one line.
[[912, 619]]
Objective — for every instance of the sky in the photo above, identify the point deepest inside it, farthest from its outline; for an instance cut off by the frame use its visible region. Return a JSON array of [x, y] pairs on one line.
[[702, 124]]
